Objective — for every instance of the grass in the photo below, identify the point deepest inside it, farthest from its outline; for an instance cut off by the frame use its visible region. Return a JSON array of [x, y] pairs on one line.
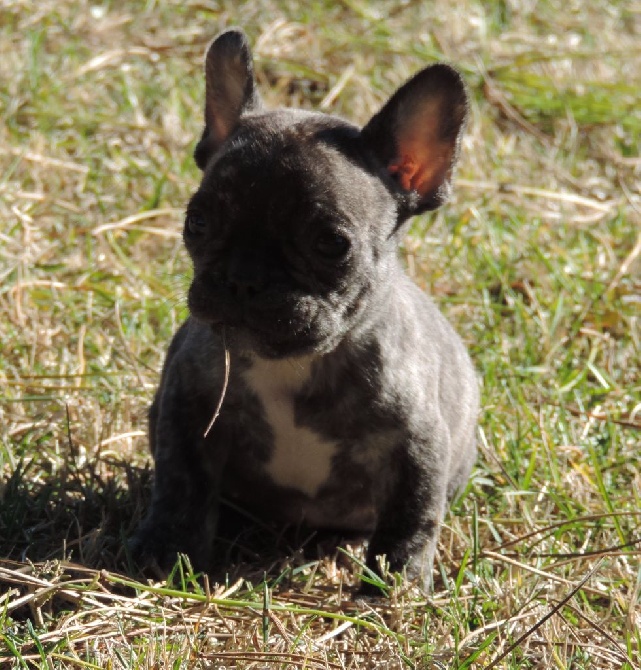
[[537, 262]]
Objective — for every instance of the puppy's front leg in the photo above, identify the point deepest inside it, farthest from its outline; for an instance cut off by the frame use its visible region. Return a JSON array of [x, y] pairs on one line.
[[188, 472], [411, 513]]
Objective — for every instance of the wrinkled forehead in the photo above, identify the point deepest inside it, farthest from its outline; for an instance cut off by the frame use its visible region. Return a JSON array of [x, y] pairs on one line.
[[279, 156]]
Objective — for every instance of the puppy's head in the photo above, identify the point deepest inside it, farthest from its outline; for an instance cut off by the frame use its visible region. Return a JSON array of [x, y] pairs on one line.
[[293, 230]]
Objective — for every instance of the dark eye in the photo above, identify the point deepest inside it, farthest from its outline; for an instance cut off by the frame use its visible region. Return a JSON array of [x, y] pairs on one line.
[[332, 246], [195, 223]]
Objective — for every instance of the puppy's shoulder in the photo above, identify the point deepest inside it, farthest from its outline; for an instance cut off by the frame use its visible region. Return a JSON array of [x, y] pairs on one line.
[[195, 352]]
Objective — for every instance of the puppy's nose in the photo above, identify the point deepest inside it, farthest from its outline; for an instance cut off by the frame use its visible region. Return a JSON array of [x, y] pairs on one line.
[[246, 275], [244, 287]]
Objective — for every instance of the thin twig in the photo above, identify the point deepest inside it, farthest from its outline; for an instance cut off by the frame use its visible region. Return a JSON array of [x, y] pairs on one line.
[[128, 221], [636, 249], [615, 643], [550, 614], [596, 416], [224, 389], [495, 97], [559, 524]]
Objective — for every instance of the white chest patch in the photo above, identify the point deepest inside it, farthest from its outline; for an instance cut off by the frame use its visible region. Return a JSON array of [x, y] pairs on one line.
[[301, 458]]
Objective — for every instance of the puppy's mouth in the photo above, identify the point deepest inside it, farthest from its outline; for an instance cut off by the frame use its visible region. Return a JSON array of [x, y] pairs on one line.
[[276, 327], [244, 340]]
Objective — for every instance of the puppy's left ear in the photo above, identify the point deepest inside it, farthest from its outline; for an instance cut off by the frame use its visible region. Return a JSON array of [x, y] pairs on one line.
[[230, 91], [417, 136]]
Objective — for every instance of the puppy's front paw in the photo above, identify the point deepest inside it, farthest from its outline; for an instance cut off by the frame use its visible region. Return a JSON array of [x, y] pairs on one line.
[[154, 548], [369, 590]]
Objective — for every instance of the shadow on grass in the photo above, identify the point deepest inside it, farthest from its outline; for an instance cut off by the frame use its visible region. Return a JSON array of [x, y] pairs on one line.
[[84, 514]]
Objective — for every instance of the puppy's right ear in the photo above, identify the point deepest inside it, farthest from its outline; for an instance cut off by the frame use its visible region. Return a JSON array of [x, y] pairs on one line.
[[230, 91], [417, 136]]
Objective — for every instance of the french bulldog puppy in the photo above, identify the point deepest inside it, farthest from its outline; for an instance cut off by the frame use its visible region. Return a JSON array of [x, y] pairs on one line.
[[350, 404]]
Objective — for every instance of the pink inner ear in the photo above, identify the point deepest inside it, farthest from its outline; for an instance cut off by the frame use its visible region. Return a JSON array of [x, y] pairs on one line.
[[407, 170], [422, 169], [424, 155]]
